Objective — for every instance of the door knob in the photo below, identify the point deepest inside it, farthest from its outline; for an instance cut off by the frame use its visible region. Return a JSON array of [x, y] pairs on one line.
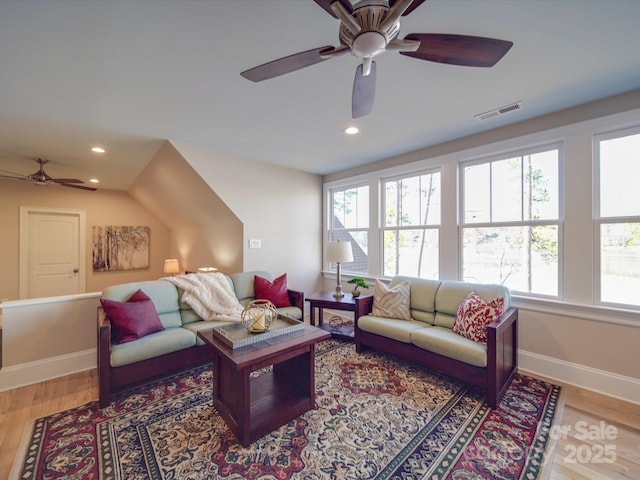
[[75, 270]]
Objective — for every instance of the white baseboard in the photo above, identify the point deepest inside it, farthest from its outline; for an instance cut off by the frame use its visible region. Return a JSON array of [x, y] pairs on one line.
[[601, 381], [607, 383], [38, 371]]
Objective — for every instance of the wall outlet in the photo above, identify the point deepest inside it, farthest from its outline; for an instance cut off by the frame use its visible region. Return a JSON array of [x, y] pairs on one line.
[[255, 243]]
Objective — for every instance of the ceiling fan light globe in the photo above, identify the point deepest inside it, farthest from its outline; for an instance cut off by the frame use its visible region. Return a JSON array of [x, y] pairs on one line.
[[369, 44]]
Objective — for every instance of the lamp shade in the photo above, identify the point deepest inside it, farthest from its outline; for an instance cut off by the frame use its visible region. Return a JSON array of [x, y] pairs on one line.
[[207, 269], [339, 252], [171, 265]]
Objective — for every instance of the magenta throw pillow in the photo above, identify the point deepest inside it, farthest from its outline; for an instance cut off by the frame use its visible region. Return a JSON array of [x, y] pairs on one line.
[[275, 292], [132, 319], [474, 314]]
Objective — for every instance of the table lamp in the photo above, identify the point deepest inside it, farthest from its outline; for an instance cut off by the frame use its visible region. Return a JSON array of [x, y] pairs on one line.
[[171, 266], [339, 252]]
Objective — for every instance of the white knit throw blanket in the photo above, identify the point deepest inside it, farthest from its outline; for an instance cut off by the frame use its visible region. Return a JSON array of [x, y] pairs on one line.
[[209, 295]]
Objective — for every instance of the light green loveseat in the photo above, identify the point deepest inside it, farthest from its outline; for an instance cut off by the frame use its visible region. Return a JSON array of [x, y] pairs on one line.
[[428, 338], [175, 348]]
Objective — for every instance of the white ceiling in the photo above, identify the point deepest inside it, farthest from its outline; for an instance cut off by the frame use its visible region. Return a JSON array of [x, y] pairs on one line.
[[127, 74]]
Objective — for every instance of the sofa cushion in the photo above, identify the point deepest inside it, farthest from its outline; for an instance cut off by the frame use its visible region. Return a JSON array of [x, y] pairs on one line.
[[163, 294], [399, 330], [474, 314], [132, 319], [443, 341], [291, 312], [275, 292], [452, 292], [195, 327], [392, 302], [188, 315], [423, 296], [243, 284], [158, 343]]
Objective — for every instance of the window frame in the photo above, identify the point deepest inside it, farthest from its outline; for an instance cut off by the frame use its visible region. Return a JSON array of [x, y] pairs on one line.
[[599, 220], [557, 222], [382, 228], [328, 266]]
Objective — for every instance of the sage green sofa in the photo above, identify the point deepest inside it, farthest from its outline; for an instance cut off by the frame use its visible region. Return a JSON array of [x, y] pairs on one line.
[[174, 348], [428, 338]]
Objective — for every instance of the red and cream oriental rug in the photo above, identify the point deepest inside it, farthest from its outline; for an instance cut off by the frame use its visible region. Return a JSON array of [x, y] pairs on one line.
[[377, 417]]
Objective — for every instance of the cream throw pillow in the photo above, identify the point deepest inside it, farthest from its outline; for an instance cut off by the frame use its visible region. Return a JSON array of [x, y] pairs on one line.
[[392, 302]]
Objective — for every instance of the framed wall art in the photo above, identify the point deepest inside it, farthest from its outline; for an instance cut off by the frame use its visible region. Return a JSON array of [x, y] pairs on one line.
[[120, 248]]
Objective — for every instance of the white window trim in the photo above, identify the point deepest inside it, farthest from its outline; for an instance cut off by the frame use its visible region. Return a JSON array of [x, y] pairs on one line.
[[559, 221], [599, 220]]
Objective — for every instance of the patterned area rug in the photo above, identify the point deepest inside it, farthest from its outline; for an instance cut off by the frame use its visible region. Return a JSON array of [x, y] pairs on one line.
[[377, 417]]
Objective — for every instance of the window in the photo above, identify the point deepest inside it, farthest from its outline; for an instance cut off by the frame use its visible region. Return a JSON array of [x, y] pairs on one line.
[[411, 225], [349, 222], [618, 217], [510, 213]]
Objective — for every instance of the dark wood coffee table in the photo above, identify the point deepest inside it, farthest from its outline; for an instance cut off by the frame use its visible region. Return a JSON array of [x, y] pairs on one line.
[[255, 406]]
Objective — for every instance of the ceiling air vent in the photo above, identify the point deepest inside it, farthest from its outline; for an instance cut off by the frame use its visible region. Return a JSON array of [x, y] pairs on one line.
[[499, 111]]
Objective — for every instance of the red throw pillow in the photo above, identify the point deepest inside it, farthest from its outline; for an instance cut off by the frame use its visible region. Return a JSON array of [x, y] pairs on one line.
[[132, 319], [474, 314], [275, 292]]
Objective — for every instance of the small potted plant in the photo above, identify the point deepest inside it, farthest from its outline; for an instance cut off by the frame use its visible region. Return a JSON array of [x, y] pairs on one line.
[[358, 282]]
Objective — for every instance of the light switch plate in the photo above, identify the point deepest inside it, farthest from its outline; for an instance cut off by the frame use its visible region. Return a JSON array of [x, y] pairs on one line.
[[255, 243]]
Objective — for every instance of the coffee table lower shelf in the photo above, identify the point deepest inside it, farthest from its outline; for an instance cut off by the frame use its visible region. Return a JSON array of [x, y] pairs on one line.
[[273, 400]]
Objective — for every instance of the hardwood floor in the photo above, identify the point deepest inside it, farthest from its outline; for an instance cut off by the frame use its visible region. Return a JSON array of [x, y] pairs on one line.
[[578, 455], [598, 438]]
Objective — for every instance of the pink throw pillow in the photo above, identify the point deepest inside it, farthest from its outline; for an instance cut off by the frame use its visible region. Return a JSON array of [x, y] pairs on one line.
[[275, 292], [132, 319], [474, 314]]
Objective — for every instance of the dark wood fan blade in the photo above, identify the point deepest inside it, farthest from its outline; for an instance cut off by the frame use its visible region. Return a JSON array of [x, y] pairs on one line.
[[462, 50], [15, 178], [412, 7], [326, 4], [66, 180], [81, 187], [364, 92], [286, 64]]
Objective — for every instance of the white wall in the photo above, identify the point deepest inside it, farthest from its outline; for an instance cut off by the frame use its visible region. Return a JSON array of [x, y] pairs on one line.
[[47, 338], [278, 206]]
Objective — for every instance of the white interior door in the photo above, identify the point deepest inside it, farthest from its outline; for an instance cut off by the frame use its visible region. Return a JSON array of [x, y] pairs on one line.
[[51, 252]]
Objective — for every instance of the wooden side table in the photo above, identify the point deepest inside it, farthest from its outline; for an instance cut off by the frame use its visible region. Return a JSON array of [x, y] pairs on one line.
[[322, 300]]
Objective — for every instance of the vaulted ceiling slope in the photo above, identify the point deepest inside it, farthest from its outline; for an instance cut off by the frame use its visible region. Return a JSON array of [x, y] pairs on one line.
[[129, 74]]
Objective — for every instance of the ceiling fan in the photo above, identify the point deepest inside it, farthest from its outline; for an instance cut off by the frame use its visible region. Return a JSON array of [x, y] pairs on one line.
[[41, 178], [371, 27]]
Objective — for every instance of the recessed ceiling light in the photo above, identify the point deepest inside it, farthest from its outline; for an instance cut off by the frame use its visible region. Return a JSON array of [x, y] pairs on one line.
[[351, 130], [98, 150], [94, 180]]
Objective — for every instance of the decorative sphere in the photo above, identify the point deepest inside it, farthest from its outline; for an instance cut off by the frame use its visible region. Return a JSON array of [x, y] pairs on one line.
[[259, 315]]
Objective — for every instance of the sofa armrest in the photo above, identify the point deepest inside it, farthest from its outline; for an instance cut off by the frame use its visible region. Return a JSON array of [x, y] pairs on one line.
[[364, 305], [104, 358], [502, 354], [504, 321], [296, 299]]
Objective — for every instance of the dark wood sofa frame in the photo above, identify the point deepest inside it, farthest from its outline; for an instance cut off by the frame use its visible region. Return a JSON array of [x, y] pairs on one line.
[[502, 351], [112, 380]]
